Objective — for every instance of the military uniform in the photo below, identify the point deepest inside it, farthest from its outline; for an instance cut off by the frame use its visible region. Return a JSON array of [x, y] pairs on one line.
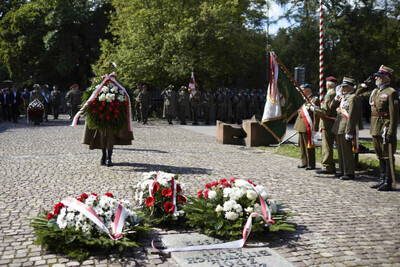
[[75, 100], [347, 121], [144, 100], [307, 149], [55, 102], [183, 101], [327, 114], [135, 104], [194, 99], [384, 102], [167, 111]]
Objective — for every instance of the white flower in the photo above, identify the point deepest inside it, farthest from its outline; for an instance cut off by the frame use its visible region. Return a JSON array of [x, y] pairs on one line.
[[236, 193], [272, 205], [219, 208], [62, 224], [105, 89], [227, 191], [249, 209], [212, 194], [231, 215], [251, 194], [238, 208], [114, 89], [121, 98], [110, 97], [242, 183], [264, 195], [149, 175], [228, 205], [102, 97], [257, 208], [70, 216]]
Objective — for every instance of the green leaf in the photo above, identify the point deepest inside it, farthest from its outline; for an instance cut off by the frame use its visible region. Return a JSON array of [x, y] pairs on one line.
[[219, 224]]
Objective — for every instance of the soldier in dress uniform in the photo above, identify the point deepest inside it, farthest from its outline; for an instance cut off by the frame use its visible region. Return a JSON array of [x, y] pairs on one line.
[[327, 114], [183, 99], [223, 101], [135, 103], [144, 100], [206, 106], [194, 98], [239, 101], [167, 112], [306, 124], [46, 94], [384, 101], [348, 120], [252, 104], [55, 101]]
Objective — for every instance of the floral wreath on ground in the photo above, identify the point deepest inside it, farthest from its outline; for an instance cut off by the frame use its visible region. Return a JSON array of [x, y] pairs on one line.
[[78, 227], [35, 111], [223, 207], [108, 109], [160, 196]]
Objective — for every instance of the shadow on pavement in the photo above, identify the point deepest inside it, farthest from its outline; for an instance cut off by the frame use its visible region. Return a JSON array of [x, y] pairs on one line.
[[142, 150], [144, 167]]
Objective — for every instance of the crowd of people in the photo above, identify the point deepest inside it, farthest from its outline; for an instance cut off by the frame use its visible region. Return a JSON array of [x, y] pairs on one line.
[[230, 106], [340, 118]]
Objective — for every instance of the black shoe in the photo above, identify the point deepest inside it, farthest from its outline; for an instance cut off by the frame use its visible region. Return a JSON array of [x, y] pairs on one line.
[[109, 163], [321, 171], [309, 168], [385, 187], [301, 166], [102, 162], [347, 177], [170, 122], [195, 123], [377, 185], [338, 175]]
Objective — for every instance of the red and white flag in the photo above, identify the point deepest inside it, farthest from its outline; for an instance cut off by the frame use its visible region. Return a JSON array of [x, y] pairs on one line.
[[192, 83]]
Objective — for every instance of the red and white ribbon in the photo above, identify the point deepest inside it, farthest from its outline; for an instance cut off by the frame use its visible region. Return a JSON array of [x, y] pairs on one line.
[[106, 79], [117, 226], [309, 124], [355, 140], [342, 110], [265, 216], [173, 189]]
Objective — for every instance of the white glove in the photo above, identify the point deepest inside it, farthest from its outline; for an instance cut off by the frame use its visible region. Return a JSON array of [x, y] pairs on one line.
[[348, 136], [312, 107]]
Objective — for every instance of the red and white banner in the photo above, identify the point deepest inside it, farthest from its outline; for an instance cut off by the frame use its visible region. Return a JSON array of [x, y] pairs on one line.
[[309, 123], [117, 226], [192, 84], [106, 79]]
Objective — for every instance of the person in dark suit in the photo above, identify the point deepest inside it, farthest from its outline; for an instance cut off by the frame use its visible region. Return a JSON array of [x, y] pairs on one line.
[[5, 101], [16, 100]]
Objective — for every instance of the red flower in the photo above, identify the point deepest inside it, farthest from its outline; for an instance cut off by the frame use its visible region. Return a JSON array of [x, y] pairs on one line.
[[206, 193], [166, 192], [109, 194], [108, 117], [156, 187], [94, 102], [101, 115], [50, 216], [226, 184], [94, 194], [181, 199], [232, 179], [149, 201], [200, 194], [115, 115], [223, 180], [94, 111], [110, 108], [169, 207], [214, 183], [58, 207], [112, 103], [79, 199], [117, 103], [126, 103], [208, 185], [178, 188], [84, 196], [101, 108], [117, 110]]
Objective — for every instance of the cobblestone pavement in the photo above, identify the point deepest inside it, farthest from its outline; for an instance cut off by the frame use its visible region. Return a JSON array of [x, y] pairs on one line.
[[339, 223]]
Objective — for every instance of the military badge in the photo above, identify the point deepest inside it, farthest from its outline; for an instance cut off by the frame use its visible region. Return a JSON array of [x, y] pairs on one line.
[[384, 96]]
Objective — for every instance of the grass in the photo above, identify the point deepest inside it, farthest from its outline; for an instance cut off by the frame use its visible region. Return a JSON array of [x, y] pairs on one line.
[[364, 167]]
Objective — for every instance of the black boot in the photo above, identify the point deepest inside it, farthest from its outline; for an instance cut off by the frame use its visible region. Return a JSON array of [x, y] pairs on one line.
[[109, 162], [387, 185], [382, 171], [103, 157]]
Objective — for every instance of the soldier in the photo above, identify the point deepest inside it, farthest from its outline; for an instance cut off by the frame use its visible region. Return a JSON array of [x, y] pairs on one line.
[[194, 99], [15, 104], [183, 98], [327, 113], [306, 124], [45, 92], [144, 100], [239, 101], [55, 101], [167, 112], [346, 127], [206, 106], [223, 102], [75, 98], [384, 101], [252, 104], [5, 102]]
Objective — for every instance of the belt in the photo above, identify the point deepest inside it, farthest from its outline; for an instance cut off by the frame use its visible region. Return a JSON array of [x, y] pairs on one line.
[[380, 114], [333, 119]]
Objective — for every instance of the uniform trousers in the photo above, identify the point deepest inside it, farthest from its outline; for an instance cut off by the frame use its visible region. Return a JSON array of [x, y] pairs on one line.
[[345, 155], [382, 150], [307, 154], [327, 150]]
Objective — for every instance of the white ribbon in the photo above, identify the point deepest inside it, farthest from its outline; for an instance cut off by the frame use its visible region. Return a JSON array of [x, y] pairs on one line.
[[117, 225]]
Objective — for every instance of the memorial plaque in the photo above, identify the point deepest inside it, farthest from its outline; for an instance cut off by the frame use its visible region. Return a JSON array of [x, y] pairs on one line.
[[253, 254]]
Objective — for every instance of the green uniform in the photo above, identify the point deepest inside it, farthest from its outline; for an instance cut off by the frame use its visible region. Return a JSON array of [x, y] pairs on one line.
[[346, 122], [327, 113], [307, 154], [144, 100], [384, 117]]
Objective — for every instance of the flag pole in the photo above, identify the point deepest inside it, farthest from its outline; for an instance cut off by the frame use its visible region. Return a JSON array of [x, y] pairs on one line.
[[289, 75]]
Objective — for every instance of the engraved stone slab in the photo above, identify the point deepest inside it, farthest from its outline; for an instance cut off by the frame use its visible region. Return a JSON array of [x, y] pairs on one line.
[[253, 254]]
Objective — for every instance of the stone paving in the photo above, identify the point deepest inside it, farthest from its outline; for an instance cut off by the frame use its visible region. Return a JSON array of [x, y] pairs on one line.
[[339, 223]]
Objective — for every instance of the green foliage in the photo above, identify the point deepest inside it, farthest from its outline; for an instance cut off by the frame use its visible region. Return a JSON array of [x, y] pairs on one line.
[[80, 247]]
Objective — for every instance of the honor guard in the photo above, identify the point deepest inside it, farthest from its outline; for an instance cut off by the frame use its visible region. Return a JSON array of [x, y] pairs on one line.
[[384, 101]]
